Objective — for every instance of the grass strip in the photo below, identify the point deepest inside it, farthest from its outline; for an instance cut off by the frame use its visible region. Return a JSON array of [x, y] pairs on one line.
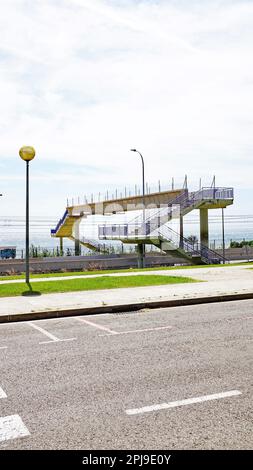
[[116, 271], [103, 282]]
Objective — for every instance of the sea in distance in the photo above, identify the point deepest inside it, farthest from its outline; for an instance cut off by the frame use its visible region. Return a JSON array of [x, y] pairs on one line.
[[12, 231]]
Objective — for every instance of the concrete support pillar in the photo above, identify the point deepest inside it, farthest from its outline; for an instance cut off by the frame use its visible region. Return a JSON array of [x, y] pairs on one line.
[[204, 235], [61, 246], [141, 255], [77, 238], [181, 227]]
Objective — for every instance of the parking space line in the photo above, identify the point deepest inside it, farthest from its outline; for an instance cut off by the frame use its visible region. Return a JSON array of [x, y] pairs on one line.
[[53, 338], [3, 347], [58, 341], [95, 325], [12, 427], [2, 393], [142, 330], [188, 401], [113, 332], [236, 319]]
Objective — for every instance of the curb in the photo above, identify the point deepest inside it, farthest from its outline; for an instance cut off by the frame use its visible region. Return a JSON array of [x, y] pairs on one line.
[[16, 317]]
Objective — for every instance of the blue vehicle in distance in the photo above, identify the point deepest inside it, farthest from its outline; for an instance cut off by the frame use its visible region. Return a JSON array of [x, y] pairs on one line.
[[7, 252]]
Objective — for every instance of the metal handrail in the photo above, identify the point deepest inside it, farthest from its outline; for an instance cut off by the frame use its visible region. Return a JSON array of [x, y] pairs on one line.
[[122, 231], [189, 199], [92, 242], [171, 203], [137, 222], [201, 249], [55, 230]]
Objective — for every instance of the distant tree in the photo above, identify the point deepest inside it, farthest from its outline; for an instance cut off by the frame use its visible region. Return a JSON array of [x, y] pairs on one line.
[[234, 244], [46, 253], [241, 244]]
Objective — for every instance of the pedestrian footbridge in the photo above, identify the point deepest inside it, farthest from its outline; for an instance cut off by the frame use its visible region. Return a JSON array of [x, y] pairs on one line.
[[153, 225]]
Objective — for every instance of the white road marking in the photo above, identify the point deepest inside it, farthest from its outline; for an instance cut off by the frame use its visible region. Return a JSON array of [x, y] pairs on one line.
[[58, 341], [53, 338], [44, 332], [188, 401], [2, 393], [113, 332], [3, 347], [95, 325], [142, 330], [12, 427], [236, 318]]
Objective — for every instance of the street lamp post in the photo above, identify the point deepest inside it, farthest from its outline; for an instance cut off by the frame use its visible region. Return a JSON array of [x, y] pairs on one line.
[[223, 235], [141, 246], [27, 154]]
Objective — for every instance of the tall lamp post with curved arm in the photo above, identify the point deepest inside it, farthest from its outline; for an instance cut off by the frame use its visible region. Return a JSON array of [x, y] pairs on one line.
[[27, 154], [141, 246]]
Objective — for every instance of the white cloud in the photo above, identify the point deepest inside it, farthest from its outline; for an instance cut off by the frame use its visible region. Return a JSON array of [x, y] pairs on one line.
[[84, 81]]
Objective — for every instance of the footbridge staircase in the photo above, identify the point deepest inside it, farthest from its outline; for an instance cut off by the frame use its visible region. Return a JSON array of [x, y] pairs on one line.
[[152, 226]]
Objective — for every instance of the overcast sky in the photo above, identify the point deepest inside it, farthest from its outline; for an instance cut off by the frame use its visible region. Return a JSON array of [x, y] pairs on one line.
[[83, 81]]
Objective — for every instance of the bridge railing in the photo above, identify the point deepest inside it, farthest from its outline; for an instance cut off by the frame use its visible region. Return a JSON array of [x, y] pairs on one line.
[[113, 231], [191, 247], [213, 193], [184, 200], [61, 221], [127, 231]]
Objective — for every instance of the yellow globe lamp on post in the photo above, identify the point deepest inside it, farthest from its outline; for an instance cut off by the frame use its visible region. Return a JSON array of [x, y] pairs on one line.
[[27, 154]]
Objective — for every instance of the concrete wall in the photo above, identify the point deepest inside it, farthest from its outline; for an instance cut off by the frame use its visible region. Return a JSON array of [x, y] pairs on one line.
[[79, 263], [94, 262], [234, 254]]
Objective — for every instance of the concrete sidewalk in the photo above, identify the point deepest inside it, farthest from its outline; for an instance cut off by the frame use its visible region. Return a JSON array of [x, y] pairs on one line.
[[202, 274], [222, 284]]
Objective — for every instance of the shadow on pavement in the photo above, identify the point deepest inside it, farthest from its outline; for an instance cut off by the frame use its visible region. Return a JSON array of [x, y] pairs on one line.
[[30, 292]]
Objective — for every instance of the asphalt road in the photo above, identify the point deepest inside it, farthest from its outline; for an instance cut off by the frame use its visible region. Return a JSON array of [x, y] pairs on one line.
[[77, 393]]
